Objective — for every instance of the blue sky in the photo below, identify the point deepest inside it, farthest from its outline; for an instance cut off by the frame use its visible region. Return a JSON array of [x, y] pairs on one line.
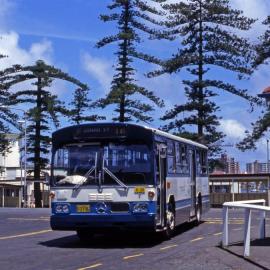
[[64, 32]]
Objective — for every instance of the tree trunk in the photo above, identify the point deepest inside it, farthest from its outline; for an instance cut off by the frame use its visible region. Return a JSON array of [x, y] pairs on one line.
[[124, 65], [200, 81], [37, 169]]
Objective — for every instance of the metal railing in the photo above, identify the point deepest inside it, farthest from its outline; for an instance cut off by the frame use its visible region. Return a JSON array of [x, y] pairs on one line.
[[248, 206]]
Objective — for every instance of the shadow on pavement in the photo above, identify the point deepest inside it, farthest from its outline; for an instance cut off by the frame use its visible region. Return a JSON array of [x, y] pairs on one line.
[[116, 239], [258, 242], [261, 242]]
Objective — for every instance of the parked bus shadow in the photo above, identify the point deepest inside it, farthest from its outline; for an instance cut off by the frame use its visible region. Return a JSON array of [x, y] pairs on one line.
[[117, 239]]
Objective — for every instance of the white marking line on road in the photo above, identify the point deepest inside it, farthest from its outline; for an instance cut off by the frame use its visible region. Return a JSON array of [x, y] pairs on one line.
[[31, 219], [196, 239], [237, 229], [220, 222], [133, 256], [219, 233], [167, 247], [91, 266], [24, 234]]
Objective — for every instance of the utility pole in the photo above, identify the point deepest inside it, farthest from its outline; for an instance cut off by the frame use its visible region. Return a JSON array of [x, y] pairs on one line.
[[267, 156]]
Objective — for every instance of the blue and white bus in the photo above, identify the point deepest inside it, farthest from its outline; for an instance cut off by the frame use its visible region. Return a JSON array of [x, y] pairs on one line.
[[119, 175]]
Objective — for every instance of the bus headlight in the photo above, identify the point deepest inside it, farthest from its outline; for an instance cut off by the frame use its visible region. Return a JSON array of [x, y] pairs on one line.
[[65, 209], [62, 209], [140, 208]]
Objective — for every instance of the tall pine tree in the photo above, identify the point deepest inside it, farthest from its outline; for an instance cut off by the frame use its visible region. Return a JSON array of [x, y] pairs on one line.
[[131, 17], [207, 44], [80, 106], [262, 125], [7, 118], [45, 109]]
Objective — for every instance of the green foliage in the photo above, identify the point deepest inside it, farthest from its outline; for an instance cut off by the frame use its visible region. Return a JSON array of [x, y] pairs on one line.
[[81, 104], [261, 126], [133, 17], [263, 48], [6, 116], [207, 42], [45, 109]]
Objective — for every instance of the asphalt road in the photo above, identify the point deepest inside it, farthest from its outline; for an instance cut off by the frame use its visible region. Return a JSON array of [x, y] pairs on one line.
[[27, 242]]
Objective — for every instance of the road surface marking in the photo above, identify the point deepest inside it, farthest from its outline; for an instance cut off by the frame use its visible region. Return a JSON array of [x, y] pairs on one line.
[[220, 219], [31, 219], [196, 239], [133, 256], [219, 233], [220, 222], [237, 229], [167, 247], [24, 234], [91, 266]]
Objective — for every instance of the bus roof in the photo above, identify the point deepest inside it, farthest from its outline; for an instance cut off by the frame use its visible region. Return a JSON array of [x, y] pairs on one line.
[[174, 137], [64, 132]]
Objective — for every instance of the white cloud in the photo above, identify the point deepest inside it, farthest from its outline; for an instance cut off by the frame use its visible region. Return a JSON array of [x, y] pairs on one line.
[[232, 128], [258, 9], [99, 69], [9, 45], [254, 9]]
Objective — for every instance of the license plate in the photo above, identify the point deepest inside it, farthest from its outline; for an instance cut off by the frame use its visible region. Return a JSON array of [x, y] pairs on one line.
[[139, 190], [83, 208]]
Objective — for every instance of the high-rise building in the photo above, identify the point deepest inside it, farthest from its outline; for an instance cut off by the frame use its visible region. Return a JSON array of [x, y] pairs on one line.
[[256, 167], [228, 165]]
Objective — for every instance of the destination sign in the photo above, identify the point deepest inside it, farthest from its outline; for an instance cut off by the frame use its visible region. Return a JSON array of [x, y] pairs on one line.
[[99, 131]]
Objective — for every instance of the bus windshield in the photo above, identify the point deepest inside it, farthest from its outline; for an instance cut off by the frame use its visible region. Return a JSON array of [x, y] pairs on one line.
[[89, 164]]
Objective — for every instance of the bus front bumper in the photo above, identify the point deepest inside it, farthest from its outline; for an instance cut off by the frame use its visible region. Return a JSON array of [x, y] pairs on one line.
[[127, 221]]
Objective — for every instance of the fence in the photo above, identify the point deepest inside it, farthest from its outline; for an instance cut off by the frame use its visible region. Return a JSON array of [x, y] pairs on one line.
[[248, 206]]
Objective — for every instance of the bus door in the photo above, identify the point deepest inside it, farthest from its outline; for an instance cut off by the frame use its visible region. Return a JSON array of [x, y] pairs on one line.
[[193, 182], [161, 162]]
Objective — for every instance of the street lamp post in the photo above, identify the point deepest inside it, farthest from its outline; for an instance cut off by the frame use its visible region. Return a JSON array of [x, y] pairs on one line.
[[25, 197], [267, 155]]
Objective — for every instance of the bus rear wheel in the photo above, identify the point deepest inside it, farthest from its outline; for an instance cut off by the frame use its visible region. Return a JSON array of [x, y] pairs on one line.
[[170, 222], [84, 235]]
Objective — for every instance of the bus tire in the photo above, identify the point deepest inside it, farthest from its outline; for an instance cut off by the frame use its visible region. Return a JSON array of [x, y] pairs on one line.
[[84, 235], [170, 219], [198, 214]]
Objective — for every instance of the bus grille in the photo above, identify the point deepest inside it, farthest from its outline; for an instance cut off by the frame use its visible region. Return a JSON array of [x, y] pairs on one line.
[[119, 207]]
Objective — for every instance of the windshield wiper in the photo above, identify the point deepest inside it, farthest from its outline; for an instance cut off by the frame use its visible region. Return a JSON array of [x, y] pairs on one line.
[[88, 175], [111, 174]]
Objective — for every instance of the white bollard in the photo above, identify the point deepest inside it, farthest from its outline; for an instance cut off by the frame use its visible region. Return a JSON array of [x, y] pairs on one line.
[[262, 225], [225, 238], [247, 233]]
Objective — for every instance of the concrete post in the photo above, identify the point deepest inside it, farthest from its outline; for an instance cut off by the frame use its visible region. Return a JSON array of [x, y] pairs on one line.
[[225, 238], [262, 225], [247, 233], [3, 197]]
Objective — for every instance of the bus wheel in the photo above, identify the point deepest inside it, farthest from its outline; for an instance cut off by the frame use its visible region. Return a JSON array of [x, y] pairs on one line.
[[170, 217], [198, 214], [84, 235]]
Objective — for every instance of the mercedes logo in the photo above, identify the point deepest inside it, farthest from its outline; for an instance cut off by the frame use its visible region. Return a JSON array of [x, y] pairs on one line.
[[101, 208]]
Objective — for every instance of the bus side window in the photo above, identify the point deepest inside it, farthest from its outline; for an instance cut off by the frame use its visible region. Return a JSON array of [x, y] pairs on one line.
[[203, 162], [184, 159], [178, 158], [171, 157]]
